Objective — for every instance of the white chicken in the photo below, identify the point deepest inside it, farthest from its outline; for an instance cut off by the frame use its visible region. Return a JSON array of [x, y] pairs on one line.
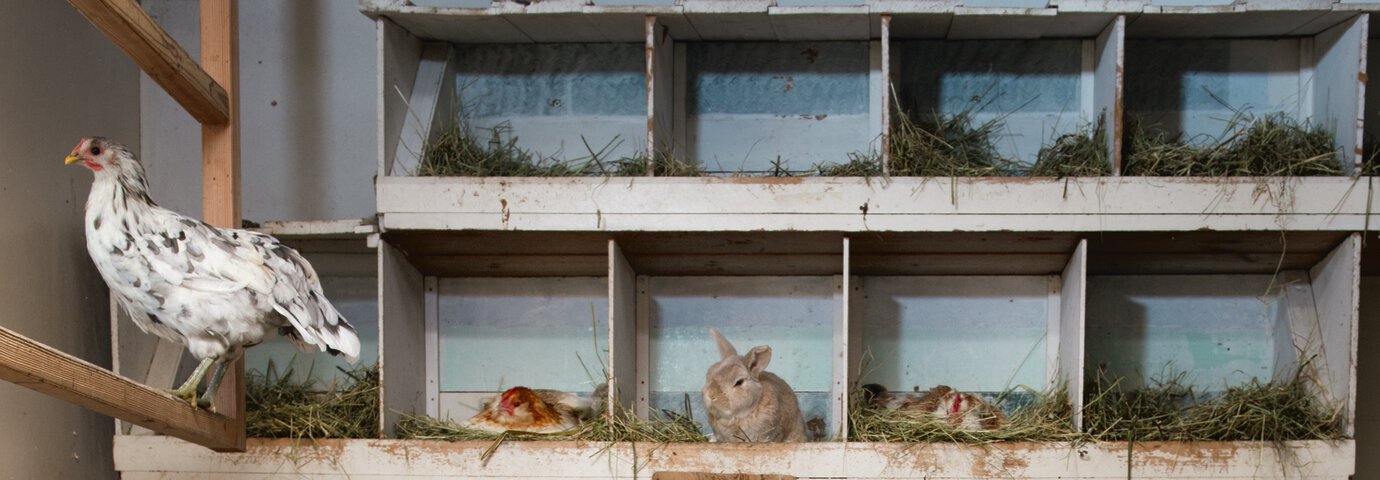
[[214, 290]]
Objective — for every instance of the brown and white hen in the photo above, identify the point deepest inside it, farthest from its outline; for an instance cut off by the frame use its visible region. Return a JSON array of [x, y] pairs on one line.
[[214, 290], [527, 410]]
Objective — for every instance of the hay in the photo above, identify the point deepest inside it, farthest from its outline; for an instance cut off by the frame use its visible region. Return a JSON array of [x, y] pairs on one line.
[[1169, 410], [278, 407], [1047, 417], [859, 164], [1271, 145], [668, 427], [666, 165], [1079, 154], [457, 152], [946, 146]]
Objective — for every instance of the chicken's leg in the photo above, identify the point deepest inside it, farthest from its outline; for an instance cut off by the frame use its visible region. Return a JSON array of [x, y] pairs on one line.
[[208, 399], [188, 389]]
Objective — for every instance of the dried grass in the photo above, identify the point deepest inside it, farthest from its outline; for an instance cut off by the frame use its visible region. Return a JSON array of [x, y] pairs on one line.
[[1079, 154], [1048, 416], [1168, 409], [1273, 145], [276, 406], [947, 146]]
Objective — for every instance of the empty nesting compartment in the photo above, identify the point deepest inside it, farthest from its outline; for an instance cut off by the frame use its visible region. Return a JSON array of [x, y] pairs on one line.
[[553, 99], [1211, 312], [768, 108]]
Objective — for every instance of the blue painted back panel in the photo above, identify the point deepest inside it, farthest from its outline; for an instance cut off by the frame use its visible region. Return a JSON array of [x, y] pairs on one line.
[[978, 333], [1192, 86], [1033, 85], [1218, 328]]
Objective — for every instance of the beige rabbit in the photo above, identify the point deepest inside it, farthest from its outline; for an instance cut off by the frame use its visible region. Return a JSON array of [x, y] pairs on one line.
[[745, 402]]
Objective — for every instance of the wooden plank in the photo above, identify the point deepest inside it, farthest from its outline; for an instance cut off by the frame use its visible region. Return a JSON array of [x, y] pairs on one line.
[[1073, 299], [1336, 288], [622, 340], [433, 347], [855, 460], [855, 303], [46, 370], [1108, 86], [220, 164], [428, 107], [162, 371], [886, 94], [402, 338], [399, 54], [717, 476], [838, 385], [661, 111], [129, 27], [1339, 87], [644, 349]]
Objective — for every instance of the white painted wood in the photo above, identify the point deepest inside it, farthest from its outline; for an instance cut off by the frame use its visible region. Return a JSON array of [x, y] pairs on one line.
[[1308, 59], [352, 227], [644, 389], [399, 53], [1086, 69], [979, 23], [876, 84], [1053, 319], [886, 94], [835, 204], [661, 107], [622, 341], [820, 23], [431, 300], [428, 107], [1108, 102], [385, 458], [402, 338], [1339, 85], [1073, 299], [1336, 289], [838, 389], [851, 336]]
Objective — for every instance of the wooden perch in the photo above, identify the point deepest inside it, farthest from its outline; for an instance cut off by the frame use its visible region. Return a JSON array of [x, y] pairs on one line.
[[131, 29], [41, 368]]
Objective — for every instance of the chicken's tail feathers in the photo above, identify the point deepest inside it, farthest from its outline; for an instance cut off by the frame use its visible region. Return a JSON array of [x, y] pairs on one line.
[[320, 325], [342, 340]]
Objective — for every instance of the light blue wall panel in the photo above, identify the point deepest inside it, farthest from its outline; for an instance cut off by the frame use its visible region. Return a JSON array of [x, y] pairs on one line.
[[1034, 86], [978, 333], [554, 94], [749, 103], [497, 333], [357, 300], [1191, 86], [1221, 329]]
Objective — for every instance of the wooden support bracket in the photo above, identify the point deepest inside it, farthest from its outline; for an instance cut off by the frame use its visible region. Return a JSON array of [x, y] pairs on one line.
[[130, 28], [46, 370]]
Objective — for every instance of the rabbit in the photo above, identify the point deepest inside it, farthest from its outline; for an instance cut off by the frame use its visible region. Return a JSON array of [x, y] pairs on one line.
[[745, 402]]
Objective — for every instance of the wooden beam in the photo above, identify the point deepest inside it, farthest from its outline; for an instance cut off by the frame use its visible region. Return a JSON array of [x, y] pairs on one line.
[[131, 29], [220, 162], [46, 370]]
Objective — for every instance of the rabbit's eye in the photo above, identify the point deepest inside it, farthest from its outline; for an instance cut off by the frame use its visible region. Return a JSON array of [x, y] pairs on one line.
[[738, 383]]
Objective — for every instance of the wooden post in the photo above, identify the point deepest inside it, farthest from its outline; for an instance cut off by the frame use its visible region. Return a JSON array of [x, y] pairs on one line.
[[220, 161]]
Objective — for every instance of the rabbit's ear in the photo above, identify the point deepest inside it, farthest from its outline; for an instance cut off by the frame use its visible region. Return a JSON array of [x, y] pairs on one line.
[[725, 349], [758, 358]]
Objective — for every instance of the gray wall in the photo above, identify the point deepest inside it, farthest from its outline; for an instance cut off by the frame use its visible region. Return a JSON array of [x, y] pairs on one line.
[[61, 80], [307, 84]]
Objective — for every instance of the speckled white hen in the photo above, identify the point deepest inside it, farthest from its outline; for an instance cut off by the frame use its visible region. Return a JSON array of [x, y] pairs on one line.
[[214, 290]]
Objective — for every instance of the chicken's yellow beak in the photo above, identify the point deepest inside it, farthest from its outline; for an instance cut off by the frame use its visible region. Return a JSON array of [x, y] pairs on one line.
[[72, 159]]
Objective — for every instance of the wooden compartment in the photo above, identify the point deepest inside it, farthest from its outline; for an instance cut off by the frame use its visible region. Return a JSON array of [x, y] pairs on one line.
[[1226, 308], [1307, 66], [1039, 75], [783, 291], [979, 312]]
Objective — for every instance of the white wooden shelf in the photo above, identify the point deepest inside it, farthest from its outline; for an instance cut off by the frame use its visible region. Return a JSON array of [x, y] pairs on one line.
[[140, 458], [666, 204]]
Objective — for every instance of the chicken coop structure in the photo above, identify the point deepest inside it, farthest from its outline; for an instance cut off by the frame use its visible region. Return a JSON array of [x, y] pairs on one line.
[[985, 283]]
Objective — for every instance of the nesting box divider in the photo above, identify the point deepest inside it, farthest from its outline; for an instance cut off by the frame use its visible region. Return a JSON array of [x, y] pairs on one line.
[[402, 337], [1065, 359], [429, 108], [1110, 53], [882, 101], [1335, 282], [399, 55], [848, 353], [623, 337], [1339, 86], [662, 110]]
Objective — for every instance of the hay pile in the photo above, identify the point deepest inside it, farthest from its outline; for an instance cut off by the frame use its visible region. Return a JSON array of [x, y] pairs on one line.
[[859, 164], [1048, 416], [1168, 410], [457, 152], [1079, 154], [1272, 145], [278, 407], [946, 146]]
